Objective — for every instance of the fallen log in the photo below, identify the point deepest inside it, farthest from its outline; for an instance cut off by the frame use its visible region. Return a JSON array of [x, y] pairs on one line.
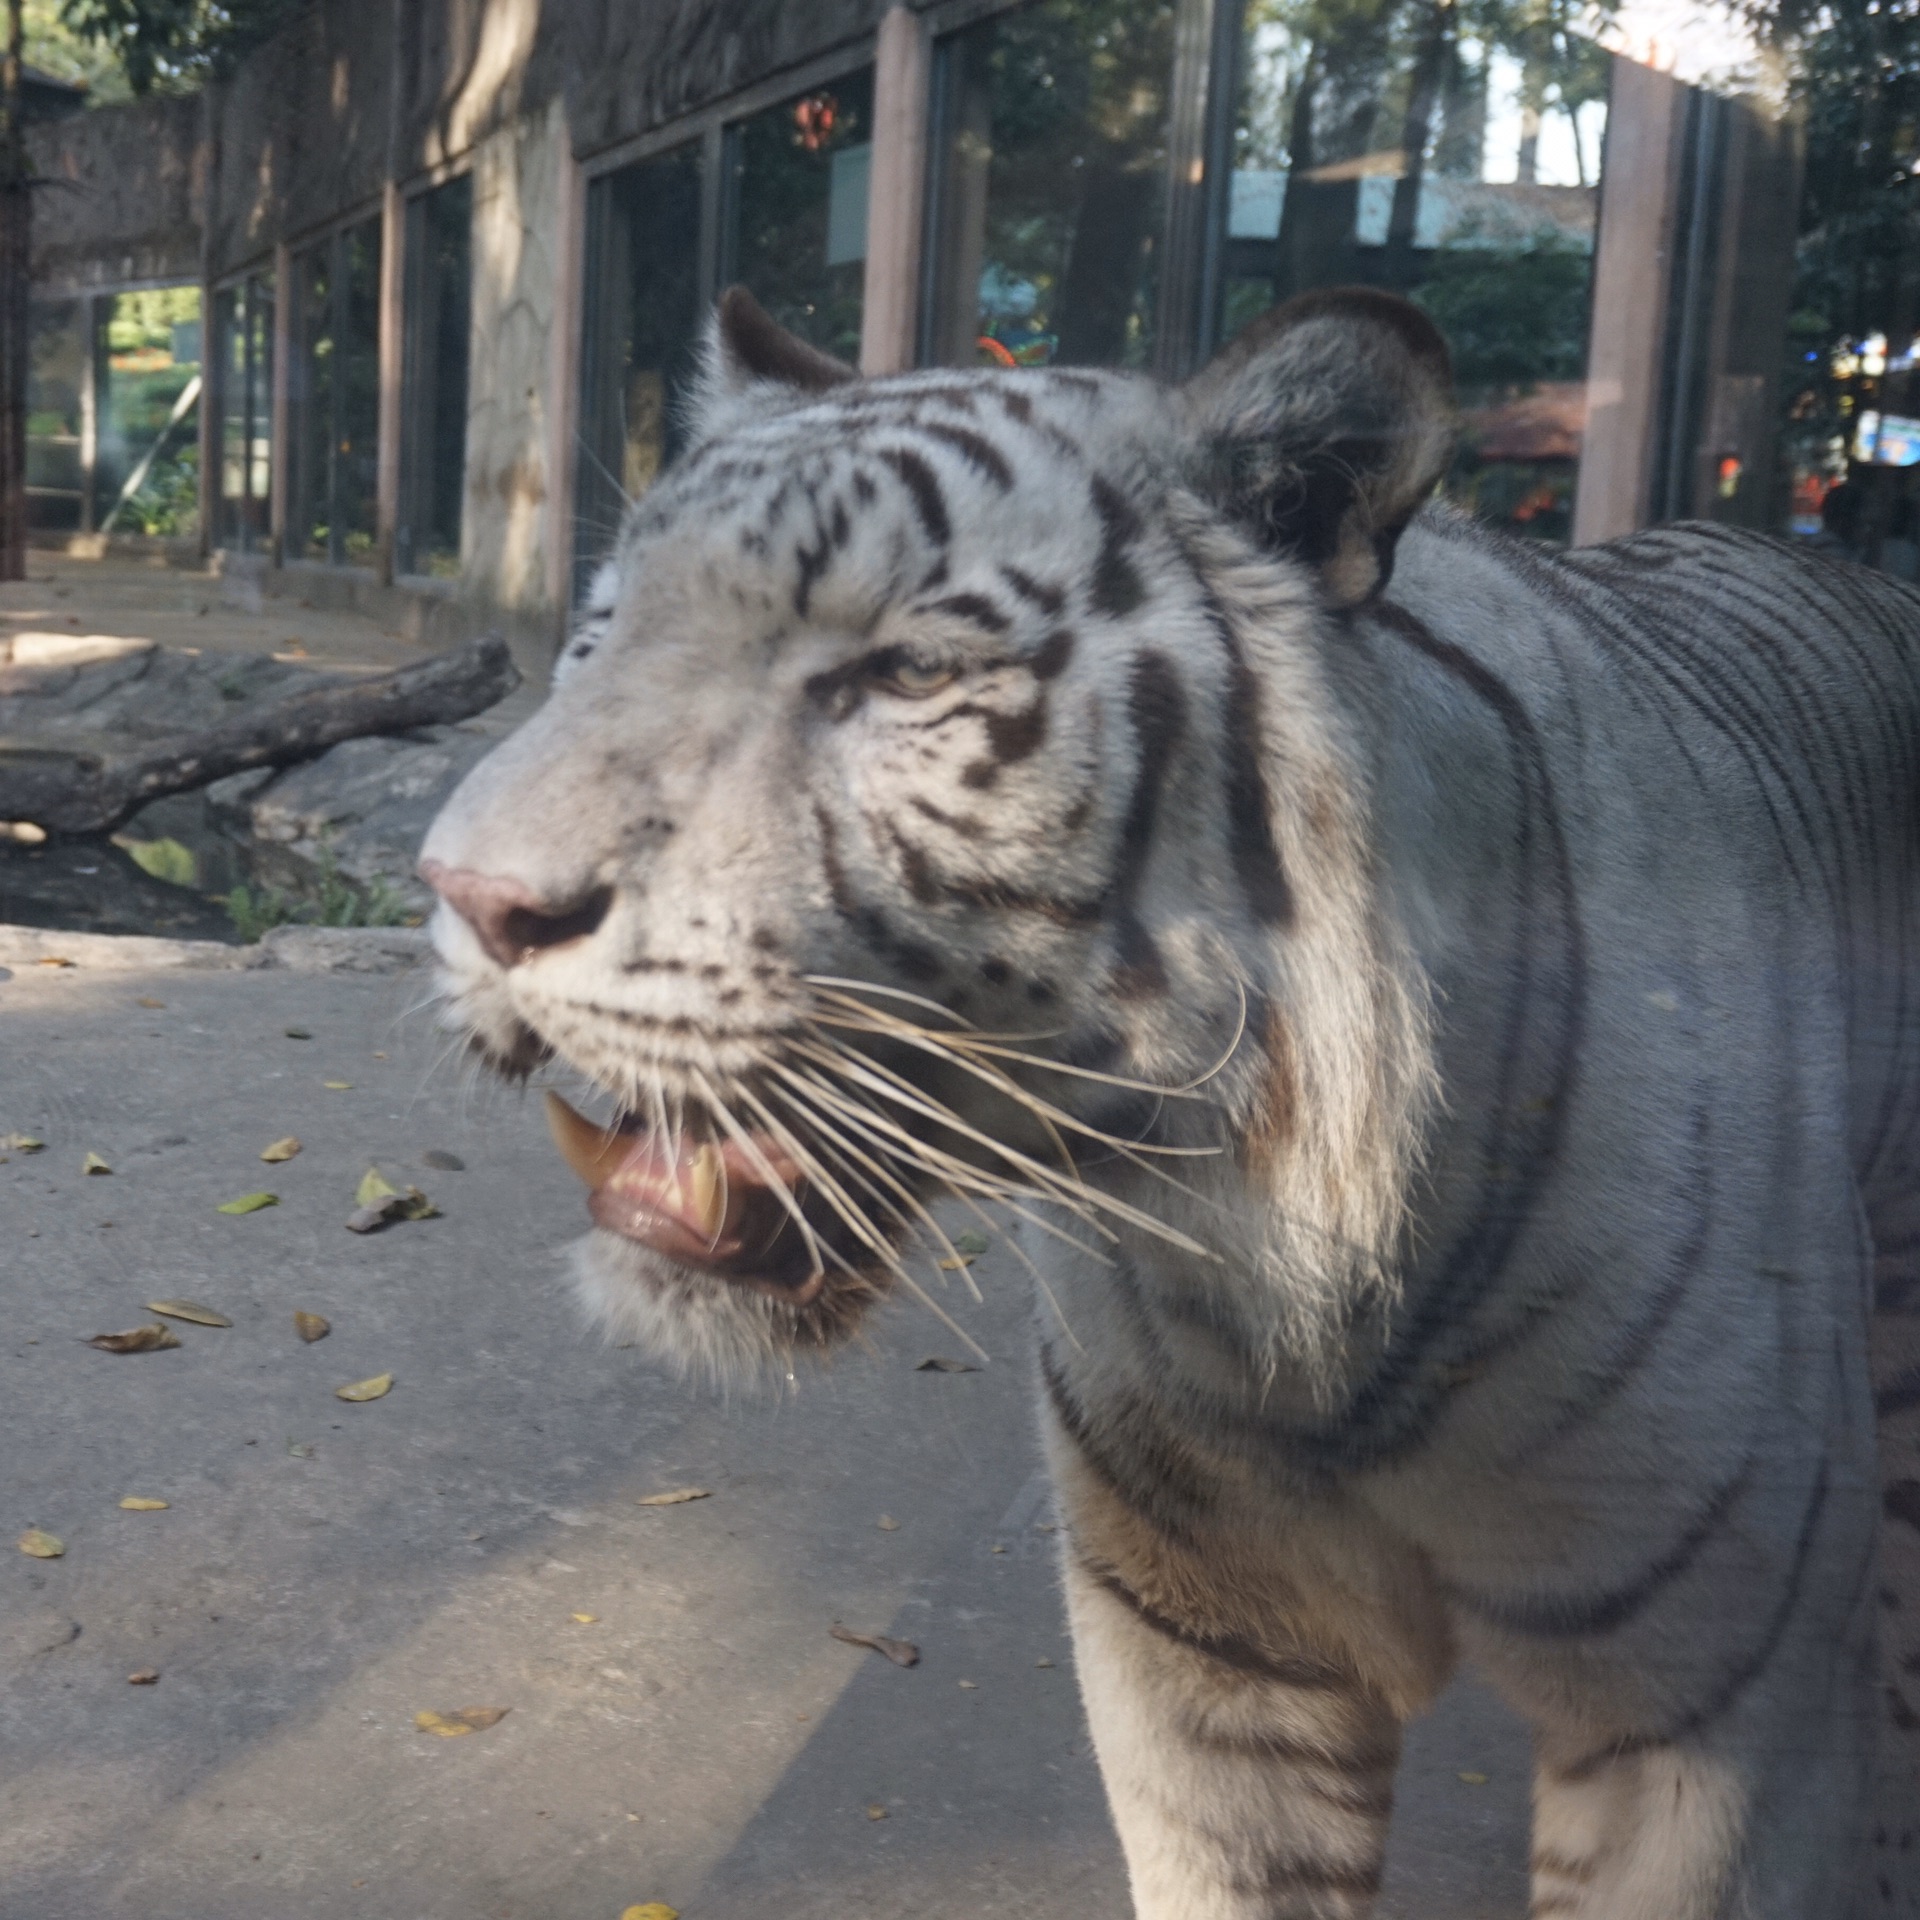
[[72, 792]]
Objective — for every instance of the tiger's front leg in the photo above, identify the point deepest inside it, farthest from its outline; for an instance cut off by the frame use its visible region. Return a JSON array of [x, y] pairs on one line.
[[1246, 1719]]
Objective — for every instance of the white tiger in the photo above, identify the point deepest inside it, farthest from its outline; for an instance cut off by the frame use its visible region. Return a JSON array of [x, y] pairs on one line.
[[1470, 1070]]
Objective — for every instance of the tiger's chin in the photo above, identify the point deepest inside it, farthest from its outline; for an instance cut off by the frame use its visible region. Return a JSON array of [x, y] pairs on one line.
[[725, 1330]]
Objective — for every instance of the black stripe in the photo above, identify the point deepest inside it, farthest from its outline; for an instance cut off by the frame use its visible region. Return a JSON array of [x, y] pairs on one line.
[[1568, 1616], [1157, 706], [1303, 1672], [1115, 587], [913, 959], [975, 607], [1159, 1486], [976, 450], [1047, 599], [923, 484]]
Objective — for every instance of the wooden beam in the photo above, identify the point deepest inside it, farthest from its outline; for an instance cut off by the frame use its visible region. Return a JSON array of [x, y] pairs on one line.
[[563, 395], [896, 197]]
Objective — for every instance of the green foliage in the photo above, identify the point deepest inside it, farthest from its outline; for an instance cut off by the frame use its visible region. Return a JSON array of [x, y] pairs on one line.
[[168, 504], [173, 44], [55, 48], [166, 860], [335, 901], [1512, 316]]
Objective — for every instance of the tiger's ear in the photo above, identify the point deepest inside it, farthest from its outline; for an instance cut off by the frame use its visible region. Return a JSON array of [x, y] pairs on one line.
[[752, 363], [1323, 426]]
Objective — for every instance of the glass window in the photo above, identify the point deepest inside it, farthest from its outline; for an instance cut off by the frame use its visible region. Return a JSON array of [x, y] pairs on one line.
[[1051, 163], [795, 230], [643, 316], [57, 384], [147, 466], [433, 436], [334, 392], [1451, 157], [243, 349]]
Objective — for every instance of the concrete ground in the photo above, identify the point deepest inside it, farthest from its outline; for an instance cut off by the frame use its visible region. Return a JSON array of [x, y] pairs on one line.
[[325, 1571], [147, 598]]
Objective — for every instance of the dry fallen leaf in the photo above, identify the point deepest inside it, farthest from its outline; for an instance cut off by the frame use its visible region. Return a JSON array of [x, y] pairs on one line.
[[189, 1310], [375, 1389], [876, 1811], [1472, 1779], [651, 1910], [152, 1338], [939, 1363], [300, 1449], [248, 1203], [678, 1497], [956, 1266], [311, 1326], [20, 1143], [903, 1653], [377, 1200], [338, 1086], [969, 1686], [147, 1000], [139, 1503], [450, 1726], [1043, 1663], [887, 1523], [94, 1164], [587, 1619], [144, 1678], [55, 960], [280, 1150], [41, 1544], [970, 1242]]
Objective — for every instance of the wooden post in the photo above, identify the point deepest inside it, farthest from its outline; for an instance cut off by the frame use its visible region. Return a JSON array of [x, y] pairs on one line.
[[280, 456], [1632, 282], [896, 197], [89, 408], [393, 214]]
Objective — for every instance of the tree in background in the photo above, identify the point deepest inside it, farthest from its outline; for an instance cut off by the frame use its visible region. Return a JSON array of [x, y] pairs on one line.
[[16, 208], [172, 43]]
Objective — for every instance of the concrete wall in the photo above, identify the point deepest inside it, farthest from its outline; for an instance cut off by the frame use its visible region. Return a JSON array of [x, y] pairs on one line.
[[125, 195]]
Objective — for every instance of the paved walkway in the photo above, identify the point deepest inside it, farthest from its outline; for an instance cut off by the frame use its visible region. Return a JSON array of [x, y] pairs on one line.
[[326, 1571]]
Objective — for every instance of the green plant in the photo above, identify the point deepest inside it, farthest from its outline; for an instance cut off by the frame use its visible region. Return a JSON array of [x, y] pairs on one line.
[[335, 901]]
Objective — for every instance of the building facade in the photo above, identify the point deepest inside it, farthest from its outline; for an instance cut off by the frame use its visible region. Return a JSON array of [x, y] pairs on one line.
[[403, 308]]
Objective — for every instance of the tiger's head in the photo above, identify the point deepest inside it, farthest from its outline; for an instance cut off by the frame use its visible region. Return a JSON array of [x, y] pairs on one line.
[[941, 794]]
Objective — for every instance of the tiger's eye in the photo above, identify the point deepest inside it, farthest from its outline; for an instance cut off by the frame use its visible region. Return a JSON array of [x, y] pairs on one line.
[[916, 682]]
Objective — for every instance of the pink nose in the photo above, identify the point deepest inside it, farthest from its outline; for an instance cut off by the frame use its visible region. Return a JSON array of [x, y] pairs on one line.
[[512, 922]]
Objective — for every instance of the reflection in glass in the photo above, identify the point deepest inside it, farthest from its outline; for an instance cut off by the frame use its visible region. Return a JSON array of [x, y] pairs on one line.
[[643, 319], [243, 352], [147, 467], [57, 378], [796, 229], [334, 393], [1453, 158], [433, 386], [1051, 158]]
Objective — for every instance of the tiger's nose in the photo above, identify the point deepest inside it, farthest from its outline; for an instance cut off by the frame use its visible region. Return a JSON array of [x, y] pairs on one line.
[[512, 921]]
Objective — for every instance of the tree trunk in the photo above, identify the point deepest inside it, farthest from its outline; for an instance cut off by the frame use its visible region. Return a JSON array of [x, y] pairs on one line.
[[16, 208], [78, 793]]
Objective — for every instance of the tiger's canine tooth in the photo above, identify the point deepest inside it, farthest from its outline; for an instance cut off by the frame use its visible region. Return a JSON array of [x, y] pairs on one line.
[[593, 1152], [709, 1178]]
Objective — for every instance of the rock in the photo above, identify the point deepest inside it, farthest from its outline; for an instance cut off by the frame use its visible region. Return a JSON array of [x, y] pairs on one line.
[[367, 803]]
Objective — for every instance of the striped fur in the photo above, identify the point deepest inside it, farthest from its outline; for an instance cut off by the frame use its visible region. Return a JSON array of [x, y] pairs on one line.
[[1526, 945]]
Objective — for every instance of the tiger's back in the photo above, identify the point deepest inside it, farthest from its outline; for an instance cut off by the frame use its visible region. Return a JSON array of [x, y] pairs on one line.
[[1728, 732]]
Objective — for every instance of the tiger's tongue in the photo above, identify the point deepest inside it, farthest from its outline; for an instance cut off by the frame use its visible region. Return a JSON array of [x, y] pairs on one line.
[[708, 1204]]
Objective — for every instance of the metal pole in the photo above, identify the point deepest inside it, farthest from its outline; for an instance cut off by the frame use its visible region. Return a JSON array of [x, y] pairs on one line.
[[15, 211]]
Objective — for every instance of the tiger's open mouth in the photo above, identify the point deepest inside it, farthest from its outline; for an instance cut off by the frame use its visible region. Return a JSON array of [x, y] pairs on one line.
[[730, 1207]]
